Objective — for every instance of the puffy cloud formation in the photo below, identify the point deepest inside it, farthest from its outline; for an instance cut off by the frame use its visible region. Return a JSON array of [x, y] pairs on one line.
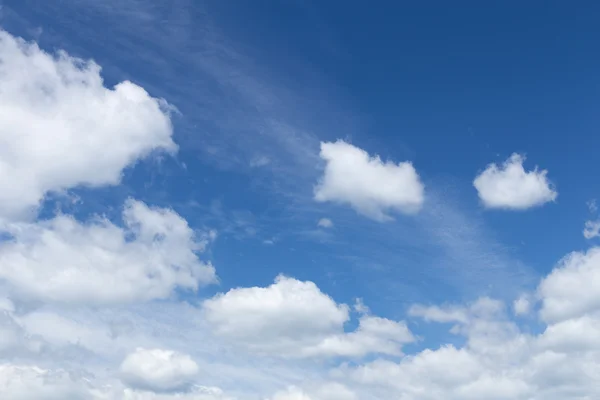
[[499, 360], [158, 370], [509, 186], [59, 126], [295, 319], [571, 290], [63, 260], [366, 183]]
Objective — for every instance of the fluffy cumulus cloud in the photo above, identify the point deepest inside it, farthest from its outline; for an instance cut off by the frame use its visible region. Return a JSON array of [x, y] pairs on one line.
[[509, 186], [59, 125], [295, 319], [366, 183], [64, 260], [570, 290], [159, 370], [499, 360]]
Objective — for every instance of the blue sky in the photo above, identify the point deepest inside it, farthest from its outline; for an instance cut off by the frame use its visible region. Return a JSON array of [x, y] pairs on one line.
[[254, 90]]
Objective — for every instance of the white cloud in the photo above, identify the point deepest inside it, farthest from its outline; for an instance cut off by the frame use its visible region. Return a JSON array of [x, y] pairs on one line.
[[24, 382], [198, 393], [499, 360], [438, 314], [286, 309], [522, 305], [366, 183], [329, 391], [31, 382], [325, 223], [60, 127], [295, 319], [374, 335], [360, 307], [63, 260], [571, 289], [291, 393], [592, 229], [509, 186], [158, 370]]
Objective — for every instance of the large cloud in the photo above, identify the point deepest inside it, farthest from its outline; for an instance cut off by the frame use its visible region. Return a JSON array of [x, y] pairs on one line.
[[294, 318], [499, 360], [366, 183], [571, 289], [60, 127], [159, 370], [509, 186], [63, 260]]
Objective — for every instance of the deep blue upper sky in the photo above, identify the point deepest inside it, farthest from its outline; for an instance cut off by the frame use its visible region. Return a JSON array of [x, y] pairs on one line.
[[451, 86]]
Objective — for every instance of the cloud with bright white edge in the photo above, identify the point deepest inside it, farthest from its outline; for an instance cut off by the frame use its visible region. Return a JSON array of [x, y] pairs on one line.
[[63, 260], [509, 186], [158, 370], [291, 318], [572, 289], [370, 186], [325, 223], [59, 126]]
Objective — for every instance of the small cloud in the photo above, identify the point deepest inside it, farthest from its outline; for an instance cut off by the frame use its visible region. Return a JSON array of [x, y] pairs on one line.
[[360, 307], [269, 242], [369, 185], [522, 305], [325, 223], [509, 186], [259, 161], [592, 206], [592, 229]]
